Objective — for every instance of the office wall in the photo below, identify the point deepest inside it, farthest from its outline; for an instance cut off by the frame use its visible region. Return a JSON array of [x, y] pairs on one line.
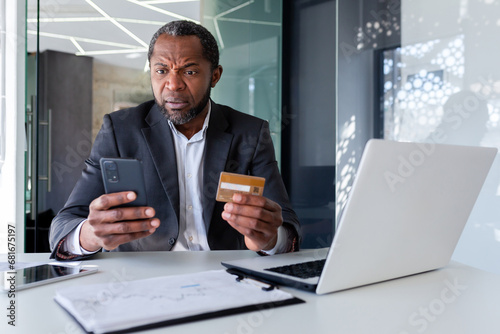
[[308, 119], [116, 87], [12, 171]]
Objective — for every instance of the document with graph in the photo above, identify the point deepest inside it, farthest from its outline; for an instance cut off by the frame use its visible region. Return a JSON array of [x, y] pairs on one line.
[[161, 301]]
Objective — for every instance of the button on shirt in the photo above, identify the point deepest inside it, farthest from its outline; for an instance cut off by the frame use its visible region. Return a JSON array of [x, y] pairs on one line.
[[190, 154]]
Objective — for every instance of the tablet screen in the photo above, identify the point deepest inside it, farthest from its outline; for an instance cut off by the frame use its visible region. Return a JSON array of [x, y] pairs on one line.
[[44, 272], [41, 274]]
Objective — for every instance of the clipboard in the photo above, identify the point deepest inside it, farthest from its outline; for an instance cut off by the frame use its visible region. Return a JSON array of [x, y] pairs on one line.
[[169, 300]]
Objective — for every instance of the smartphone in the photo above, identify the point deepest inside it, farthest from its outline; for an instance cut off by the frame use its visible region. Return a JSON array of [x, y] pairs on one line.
[[124, 174], [42, 274]]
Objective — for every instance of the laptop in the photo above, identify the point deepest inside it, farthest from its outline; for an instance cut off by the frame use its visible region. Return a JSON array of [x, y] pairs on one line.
[[405, 213]]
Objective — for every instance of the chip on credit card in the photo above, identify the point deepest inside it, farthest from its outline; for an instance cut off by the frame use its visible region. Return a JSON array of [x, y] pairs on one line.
[[230, 183]]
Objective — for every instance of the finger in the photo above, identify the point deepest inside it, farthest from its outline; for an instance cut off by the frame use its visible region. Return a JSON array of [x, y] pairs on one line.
[[232, 210], [272, 218], [107, 201], [256, 200], [122, 214], [249, 225], [110, 235], [130, 227]]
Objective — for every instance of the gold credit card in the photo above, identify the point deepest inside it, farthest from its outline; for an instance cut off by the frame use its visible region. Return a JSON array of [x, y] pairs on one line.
[[230, 183]]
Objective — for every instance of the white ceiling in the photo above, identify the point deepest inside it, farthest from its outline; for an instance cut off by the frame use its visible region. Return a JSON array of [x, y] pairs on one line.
[[116, 32]]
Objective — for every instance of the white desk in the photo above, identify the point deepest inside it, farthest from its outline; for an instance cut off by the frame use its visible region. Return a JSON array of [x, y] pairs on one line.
[[454, 300]]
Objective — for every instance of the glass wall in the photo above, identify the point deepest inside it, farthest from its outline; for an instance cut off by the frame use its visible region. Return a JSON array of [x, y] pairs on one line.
[[437, 82], [365, 29], [443, 86], [249, 34]]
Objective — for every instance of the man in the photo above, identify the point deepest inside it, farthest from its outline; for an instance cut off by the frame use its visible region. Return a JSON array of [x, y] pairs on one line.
[[184, 141]]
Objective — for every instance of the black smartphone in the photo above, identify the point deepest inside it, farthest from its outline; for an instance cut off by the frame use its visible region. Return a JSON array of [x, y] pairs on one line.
[[124, 174]]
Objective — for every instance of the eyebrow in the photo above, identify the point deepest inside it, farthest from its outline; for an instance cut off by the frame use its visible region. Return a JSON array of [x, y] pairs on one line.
[[184, 66]]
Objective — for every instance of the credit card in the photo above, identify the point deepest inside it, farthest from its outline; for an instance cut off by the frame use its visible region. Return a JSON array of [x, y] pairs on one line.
[[230, 183]]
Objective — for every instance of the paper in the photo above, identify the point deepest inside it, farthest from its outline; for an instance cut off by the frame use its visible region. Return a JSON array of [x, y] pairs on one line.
[[100, 309]]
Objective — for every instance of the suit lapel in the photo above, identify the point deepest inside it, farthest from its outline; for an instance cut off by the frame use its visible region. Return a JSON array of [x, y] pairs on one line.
[[217, 147], [161, 146]]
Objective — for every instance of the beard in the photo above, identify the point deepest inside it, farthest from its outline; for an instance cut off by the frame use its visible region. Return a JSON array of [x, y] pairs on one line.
[[177, 117]]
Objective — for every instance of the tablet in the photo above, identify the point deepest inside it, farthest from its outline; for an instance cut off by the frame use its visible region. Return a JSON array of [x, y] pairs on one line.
[[42, 274]]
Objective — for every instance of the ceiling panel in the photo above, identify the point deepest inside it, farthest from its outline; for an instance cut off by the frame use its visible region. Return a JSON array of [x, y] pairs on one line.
[[118, 31], [112, 31]]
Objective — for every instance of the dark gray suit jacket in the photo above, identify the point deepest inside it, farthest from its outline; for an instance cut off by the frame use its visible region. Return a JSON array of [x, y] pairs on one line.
[[235, 142]]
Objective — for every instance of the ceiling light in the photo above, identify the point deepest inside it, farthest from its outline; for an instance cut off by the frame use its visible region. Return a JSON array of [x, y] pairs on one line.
[[134, 55], [154, 2], [75, 43], [92, 19], [81, 39], [159, 10], [112, 20], [110, 52]]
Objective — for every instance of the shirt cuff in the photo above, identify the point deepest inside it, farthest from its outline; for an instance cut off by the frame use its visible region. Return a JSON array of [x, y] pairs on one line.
[[72, 242], [281, 242]]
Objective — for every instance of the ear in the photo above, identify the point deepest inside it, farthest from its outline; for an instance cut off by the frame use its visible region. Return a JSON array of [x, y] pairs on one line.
[[216, 74]]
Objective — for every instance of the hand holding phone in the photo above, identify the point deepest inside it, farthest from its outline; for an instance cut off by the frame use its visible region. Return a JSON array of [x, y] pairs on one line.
[[122, 214]]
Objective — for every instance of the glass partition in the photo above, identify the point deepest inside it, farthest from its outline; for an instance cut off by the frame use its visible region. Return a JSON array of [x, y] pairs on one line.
[[249, 37], [447, 90], [365, 29], [437, 82]]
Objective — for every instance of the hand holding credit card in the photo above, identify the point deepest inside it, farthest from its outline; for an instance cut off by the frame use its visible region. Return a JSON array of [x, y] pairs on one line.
[[256, 217], [230, 183]]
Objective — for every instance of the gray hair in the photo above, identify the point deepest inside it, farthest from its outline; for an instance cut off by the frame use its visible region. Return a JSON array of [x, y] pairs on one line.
[[188, 28]]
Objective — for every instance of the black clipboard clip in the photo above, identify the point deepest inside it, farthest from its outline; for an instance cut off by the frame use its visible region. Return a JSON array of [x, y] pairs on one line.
[[241, 276]]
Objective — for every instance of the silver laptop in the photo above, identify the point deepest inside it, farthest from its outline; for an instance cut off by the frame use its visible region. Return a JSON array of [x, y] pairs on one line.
[[406, 211]]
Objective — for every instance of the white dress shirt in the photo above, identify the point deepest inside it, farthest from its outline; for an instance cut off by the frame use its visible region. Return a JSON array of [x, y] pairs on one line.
[[190, 154]]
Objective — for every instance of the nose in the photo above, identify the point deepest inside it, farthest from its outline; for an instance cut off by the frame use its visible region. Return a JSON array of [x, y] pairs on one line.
[[174, 81]]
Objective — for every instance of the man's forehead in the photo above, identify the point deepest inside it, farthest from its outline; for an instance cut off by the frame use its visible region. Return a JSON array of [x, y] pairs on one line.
[[180, 45]]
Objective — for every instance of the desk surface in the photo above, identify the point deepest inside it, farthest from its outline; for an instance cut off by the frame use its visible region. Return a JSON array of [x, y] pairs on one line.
[[456, 299]]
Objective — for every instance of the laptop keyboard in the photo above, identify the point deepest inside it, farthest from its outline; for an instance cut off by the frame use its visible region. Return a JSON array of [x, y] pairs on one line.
[[301, 270]]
